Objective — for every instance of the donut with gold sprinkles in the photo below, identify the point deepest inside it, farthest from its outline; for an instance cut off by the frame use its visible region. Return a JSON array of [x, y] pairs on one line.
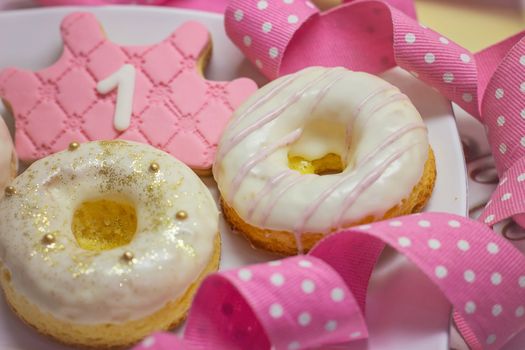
[[106, 242]]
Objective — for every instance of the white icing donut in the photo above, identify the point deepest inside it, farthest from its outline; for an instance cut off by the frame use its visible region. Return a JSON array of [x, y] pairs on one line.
[[368, 122], [8, 160], [176, 227]]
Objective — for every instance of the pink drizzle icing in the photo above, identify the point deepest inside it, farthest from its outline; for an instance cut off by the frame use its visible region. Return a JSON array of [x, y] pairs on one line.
[[310, 210], [260, 156], [270, 116], [271, 183], [367, 182]]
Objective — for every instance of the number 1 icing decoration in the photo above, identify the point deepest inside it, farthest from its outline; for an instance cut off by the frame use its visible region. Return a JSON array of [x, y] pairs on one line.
[[100, 90]]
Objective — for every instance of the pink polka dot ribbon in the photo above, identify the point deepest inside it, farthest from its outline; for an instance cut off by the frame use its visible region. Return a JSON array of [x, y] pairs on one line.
[[315, 300], [100, 2]]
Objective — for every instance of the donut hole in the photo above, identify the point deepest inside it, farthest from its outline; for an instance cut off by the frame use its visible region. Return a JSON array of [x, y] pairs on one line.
[[329, 164], [104, 224], [320, 149]]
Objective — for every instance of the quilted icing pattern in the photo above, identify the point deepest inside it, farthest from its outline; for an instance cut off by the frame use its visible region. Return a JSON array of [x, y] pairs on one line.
[[174, 107]]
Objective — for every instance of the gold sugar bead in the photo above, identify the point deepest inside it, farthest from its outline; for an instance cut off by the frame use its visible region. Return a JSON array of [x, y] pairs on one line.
[[10, 191], [181, 215], [154, 167], [48, 239], [128, 256], [73, 146]]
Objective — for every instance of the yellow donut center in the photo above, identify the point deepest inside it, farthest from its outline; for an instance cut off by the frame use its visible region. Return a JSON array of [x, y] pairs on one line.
[[104, 224], [329, 164]]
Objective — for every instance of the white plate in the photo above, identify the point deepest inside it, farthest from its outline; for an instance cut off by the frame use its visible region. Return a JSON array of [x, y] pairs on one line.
[[405, 311]]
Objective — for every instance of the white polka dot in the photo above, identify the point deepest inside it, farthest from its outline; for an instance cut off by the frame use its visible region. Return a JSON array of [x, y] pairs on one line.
[[395, 223], [304, 319], [463, 245], [496, 310], [430, 58], [467, 97], [496, 278], [275, 263], [148, 342], [520, 311], [266, 27], [499, 93], [443, 40], [502, 148], [521, 177], [288, 1], [470, 307], [464, 58], [273, 52], [337, 294], [244, 274], [276, 310], [294, 345], [500, 120], [330, 326], [441, 271], [308, 286], [493, 248], [258, 63], [522, 60], [491, 339], [261, 5], [448, 77], [469, 276], [410, 38], [355, 335], [434, 244], [304, 263], [293, 19], [239, 15], [277, 279], [522, 87], [454, 223], [521, 281], [522, 113], [247, 40], [424, 223], [404, 242]]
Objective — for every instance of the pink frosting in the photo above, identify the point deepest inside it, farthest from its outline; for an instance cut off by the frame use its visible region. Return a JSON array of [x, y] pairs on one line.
[[7, 156], [174, 107]]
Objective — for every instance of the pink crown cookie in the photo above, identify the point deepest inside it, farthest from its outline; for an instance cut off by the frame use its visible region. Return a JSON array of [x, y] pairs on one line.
[[99, 90]]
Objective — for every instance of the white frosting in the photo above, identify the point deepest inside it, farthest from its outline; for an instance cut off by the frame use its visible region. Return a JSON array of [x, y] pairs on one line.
[[124, 81], [7, 157], [375, 129], [88, 287]]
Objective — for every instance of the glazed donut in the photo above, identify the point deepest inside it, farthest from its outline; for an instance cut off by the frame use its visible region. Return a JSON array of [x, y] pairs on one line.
[[112, 240], [8, 159], [320, 150]]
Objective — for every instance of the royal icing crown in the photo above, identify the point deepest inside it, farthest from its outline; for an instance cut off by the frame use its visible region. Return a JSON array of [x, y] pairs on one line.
[[100, 90]]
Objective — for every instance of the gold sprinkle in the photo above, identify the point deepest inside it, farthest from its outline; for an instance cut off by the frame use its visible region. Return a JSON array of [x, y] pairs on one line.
[[154, 167], [10, 191], [48, 239], [73, 146], [128, 256], [181, 215]]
